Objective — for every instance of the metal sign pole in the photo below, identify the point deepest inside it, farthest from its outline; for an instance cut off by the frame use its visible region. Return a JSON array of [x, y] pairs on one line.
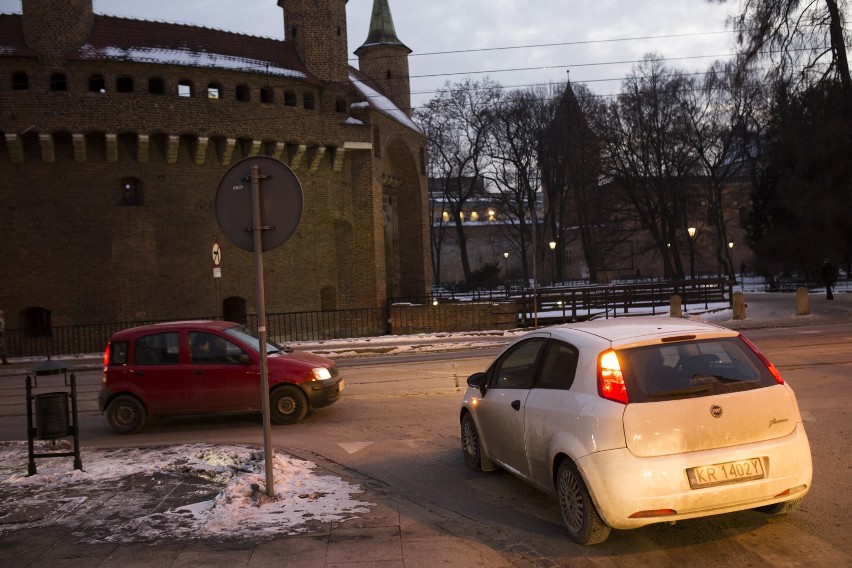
[[261, 329]]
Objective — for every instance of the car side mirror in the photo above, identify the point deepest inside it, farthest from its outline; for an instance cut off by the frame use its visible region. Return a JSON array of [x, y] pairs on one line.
[[245, 359], [478, 381]]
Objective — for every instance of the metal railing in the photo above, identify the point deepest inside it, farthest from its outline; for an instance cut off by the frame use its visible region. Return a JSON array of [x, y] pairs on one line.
[[550, 305]]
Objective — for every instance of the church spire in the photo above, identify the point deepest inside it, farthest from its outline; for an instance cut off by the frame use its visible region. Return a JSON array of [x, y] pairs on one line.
[[382, 31]]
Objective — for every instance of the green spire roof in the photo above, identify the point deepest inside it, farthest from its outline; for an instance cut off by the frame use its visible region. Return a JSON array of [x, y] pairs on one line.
[[382, 31]]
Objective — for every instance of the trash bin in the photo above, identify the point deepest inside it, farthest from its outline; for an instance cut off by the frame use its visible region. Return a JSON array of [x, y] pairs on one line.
[[52, 416]]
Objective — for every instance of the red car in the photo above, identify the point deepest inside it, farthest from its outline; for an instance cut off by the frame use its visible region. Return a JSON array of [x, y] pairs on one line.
[[202, 367]]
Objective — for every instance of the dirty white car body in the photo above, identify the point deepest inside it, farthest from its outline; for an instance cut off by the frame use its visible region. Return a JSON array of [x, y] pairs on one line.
[[634, 421]]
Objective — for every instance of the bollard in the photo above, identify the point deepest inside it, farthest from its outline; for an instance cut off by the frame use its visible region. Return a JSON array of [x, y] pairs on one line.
[[675, 309], [802, 307], [739, 306]]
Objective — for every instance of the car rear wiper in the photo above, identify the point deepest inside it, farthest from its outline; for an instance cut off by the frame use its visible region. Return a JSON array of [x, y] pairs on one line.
[[701, 379], [677, 392]]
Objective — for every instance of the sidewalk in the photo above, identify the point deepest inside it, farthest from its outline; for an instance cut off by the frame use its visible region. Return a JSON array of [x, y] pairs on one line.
[[75, 524], [88, 526]]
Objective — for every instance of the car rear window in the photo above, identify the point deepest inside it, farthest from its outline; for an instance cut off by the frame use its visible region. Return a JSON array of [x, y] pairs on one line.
[[688, 369], [118, 353], [158, 349]]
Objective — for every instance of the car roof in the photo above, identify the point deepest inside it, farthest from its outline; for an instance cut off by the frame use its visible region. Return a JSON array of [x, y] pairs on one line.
[[620, 330], [215, 325]]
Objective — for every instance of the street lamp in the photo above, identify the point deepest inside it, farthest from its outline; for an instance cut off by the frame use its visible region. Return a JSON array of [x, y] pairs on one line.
[[552, 245], [506, 278], [691, 232]]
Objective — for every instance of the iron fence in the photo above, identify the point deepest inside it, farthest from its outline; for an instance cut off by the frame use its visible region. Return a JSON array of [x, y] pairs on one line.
[[547, 305]]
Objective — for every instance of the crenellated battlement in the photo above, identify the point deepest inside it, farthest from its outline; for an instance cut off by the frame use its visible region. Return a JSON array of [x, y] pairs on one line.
[[175, 149]]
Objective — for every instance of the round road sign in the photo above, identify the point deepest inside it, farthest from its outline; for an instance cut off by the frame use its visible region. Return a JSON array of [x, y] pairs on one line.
[[281, 203], [217, 254]]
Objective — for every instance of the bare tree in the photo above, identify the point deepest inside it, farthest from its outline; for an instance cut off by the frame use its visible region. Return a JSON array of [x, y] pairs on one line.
[[724, 115], [518, 123], [456, 124], [647, 156], [803, 37]]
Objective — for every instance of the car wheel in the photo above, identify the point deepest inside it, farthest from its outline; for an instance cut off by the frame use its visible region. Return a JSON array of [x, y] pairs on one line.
[[287, 405], [125, 414], [579, 514], [780, 508], [470, 443]]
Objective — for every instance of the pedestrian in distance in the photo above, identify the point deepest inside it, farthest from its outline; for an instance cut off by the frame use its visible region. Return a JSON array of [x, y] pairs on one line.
[[3, 338], [828, 272]]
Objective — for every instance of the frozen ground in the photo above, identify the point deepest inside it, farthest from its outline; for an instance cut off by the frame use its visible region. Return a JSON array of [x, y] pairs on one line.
[[229, 482]]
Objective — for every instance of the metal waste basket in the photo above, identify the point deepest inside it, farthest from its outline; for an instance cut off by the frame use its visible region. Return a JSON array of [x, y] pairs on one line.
[[51, 415]]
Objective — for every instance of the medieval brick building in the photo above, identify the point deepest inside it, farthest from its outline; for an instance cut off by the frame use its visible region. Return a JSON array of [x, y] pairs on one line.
[[116, 133]]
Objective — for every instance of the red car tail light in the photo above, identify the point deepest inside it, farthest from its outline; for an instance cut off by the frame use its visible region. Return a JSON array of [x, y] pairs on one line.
[[610, 378], [762, 357], [106, 356]]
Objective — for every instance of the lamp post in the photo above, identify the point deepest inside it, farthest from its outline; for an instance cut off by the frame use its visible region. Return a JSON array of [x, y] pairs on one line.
[[506, 277], [552, 245], [733, 271], [691, 232]]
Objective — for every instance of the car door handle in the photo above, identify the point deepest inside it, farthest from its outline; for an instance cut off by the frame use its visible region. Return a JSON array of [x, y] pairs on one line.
[[137, 373], [198, 372], [516, 404]]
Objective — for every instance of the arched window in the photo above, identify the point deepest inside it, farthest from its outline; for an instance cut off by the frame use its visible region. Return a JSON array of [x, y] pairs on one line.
[[156, 86], [184, 89], [38, 322], [309, 101], [124, 85], [289, 98], [243, 93], [97, 84], [58, 82], [131, 192], [267, 95], [20, 81], [234, 309], [214, 91]]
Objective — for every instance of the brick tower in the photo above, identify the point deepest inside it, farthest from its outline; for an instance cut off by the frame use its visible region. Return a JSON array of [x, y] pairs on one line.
[[318, 30], [384, 58], [53, 28]]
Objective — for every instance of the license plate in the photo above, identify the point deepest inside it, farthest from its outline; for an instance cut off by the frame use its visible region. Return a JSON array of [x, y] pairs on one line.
[[722, 473]]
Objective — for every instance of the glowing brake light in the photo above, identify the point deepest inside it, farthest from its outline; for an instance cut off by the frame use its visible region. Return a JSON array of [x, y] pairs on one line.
[[106, 356], [762, 357], [610, 378]]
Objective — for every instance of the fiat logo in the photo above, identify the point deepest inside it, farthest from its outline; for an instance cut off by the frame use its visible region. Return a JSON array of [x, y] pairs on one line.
[[716, 411]]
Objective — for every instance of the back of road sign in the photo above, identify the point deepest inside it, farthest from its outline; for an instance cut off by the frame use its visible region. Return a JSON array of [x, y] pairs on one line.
[[281, 203]]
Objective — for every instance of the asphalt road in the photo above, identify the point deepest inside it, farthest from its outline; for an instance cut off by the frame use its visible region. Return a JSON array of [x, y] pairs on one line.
[[398, 424]]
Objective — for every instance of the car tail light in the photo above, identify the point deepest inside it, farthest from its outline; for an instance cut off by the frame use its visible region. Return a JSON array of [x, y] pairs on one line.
[[610, 378], [106, 356], [762, 357]]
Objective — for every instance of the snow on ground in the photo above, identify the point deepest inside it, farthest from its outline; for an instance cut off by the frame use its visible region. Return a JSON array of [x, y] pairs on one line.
[[303, 497]]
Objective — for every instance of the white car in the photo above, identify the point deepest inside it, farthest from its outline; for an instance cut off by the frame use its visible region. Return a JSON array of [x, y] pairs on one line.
[[634, 421]]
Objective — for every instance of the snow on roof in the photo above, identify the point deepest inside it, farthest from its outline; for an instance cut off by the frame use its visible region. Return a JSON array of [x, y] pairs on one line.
[[185, 57], [383, 104]]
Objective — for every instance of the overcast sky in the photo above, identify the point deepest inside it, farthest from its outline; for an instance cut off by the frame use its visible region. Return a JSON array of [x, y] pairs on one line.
[[593, 35]]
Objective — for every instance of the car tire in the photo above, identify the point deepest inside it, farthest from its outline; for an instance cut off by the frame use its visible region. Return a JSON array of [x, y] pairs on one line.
[[579, 514], [287, 405], [471, 445], [778, 509], [125, 414]]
